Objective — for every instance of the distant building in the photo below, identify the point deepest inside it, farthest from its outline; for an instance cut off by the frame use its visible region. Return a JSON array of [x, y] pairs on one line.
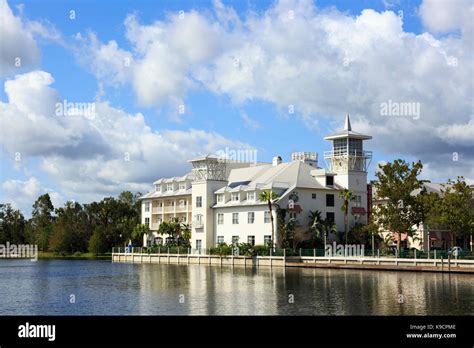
[[219, 198], [425, 237]]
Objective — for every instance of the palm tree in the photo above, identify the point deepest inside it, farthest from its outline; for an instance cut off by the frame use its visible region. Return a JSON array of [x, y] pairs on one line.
[[269, 196], [346, 195], [316, 224]]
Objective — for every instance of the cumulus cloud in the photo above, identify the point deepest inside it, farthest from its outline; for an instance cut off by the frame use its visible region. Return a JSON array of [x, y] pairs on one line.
[[324, 63], [91, 155], [22, 194], [18, 48], [444, 16]]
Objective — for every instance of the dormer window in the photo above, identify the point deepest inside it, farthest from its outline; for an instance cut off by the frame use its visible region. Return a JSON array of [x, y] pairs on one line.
[[169, 187], [157, 188], [220, 198], [182, 186], [251, 196], [235, 197], [329, 180]]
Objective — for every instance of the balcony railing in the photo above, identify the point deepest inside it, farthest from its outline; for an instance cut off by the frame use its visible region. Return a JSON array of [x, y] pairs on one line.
[[157, 210], [345, 152], [181, 209], [198, 224], [169, 209]]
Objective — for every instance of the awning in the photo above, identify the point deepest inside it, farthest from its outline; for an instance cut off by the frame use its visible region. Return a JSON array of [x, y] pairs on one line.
[[296, 208], [358, 210]]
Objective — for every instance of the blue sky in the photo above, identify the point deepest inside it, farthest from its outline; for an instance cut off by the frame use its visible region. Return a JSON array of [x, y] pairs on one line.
[[396, 50]]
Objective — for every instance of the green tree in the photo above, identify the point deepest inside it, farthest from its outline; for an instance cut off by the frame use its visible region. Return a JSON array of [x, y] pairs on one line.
[[456, 208], [401, 209], [12, 225], [346, 195], [97, 242], [42, 220], [138, 232], [269, 197], [316, 226]]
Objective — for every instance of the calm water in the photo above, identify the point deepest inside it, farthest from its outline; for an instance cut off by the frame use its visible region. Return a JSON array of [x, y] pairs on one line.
[[105, 288]]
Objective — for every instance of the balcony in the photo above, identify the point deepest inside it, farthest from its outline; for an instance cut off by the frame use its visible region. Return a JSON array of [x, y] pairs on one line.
[[344, 153], [181, 208], [198, 224], [169, 209], [157, 210]]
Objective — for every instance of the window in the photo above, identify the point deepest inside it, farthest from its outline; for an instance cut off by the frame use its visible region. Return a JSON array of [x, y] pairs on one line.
[[160, 204], [235, 196], [235, 239], [251, 240], [251, 196], [220, 198], [198, 202], [220, 219], [329, 200], [147, 222], [198, 244], [267, 240], [169, 240], [251, 217], [266, 218], [147, 206], [357, 200], [292, 215], [313, 195], [330, 217], [158, 188], [182, 186], [235, 218], [159, 241], [169, 187], [220, 239], [329, 180]]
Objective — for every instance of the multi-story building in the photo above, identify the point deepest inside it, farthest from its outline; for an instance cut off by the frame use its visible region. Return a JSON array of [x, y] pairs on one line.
[[219, 198]]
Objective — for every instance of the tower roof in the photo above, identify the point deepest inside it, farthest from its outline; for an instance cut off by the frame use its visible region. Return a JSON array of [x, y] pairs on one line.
[[347, 132]]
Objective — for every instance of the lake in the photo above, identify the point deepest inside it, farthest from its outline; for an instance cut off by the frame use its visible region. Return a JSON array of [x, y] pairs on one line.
[[89, 287]]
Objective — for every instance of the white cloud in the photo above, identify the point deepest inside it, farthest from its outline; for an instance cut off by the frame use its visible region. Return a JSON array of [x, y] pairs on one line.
[[444, 16], [18, 48], [91, 157], [249, 122], [22, 194]]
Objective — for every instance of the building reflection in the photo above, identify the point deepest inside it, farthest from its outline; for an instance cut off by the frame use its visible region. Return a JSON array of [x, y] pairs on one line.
[[226, 290]]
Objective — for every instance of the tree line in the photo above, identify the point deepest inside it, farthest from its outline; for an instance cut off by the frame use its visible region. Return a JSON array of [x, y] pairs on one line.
[[95, 227]]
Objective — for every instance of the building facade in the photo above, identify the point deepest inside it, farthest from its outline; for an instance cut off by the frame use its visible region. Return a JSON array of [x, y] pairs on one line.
[[219, 198]]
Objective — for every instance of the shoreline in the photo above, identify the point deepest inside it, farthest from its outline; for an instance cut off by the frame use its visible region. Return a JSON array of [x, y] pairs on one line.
[[362, 263]]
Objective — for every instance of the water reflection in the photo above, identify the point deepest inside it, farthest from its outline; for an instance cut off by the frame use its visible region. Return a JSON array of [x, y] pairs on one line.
[[104, 288]]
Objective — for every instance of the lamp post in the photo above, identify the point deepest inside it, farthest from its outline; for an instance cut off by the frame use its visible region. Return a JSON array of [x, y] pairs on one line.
[[429, 241]]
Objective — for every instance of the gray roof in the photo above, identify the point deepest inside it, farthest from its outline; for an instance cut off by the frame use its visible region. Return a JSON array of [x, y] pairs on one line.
[[347, 132]]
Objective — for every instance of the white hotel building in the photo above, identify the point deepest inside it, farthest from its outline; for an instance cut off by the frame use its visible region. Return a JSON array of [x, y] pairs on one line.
[[219, 197]]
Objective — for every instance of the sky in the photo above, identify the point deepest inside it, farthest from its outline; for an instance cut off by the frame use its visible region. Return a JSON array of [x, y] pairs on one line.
[[152, 84]]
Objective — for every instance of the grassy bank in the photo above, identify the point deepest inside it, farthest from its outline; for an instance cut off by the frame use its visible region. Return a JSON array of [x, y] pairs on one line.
[[46, 255]]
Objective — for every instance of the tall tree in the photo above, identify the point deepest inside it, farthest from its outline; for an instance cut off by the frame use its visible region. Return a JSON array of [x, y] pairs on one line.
[[269, 196], [12, 225], [42, 220], [401, 209], [346, 195], [456, 209]]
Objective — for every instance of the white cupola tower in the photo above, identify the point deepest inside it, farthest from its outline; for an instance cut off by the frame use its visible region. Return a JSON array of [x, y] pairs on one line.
[[349, 161]]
